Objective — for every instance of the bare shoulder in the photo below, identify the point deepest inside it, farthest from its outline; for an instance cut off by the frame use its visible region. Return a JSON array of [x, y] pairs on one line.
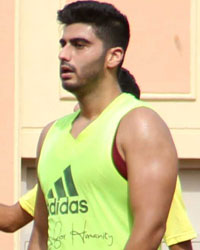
[[143, 122], [142, 117], [145, 129]]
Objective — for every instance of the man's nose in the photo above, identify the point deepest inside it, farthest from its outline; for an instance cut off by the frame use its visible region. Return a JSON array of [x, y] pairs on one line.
[[65, 53]]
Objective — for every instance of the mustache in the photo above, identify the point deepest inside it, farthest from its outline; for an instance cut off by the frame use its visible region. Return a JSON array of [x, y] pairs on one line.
[[64, 64]]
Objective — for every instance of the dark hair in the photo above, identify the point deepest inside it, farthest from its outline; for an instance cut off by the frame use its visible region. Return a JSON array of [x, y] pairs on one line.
[[128, 83], [109, 24]]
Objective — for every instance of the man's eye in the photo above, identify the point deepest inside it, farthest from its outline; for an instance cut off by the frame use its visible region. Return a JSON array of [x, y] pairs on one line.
[[79, 45]]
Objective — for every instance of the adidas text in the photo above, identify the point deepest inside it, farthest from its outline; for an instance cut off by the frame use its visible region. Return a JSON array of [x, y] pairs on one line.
[[64, 206]]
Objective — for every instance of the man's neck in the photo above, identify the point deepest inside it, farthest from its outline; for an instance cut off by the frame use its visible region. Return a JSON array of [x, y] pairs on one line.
[[93, 104]]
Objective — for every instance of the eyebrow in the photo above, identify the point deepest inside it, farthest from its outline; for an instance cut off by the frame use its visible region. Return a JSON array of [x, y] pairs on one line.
[[73, 40], [61, 41]]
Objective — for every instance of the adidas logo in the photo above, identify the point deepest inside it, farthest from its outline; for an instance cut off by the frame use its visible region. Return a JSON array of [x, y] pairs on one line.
[[64, 200]]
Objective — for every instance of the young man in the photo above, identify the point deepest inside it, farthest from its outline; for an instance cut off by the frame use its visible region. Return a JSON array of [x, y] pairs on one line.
[[128, 83], [179, 231], [83, 200], [18, 215]]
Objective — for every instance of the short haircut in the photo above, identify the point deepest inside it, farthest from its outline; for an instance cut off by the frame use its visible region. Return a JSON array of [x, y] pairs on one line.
[[109, 24], [128, 83]]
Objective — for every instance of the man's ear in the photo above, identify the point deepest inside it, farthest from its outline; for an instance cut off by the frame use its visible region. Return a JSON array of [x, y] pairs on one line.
[[114, 57]]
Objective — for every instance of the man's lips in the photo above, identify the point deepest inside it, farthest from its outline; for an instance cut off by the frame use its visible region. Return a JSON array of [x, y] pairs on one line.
[[66, 71]]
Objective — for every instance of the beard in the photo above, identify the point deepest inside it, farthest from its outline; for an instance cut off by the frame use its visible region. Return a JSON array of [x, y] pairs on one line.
[[85, 79]]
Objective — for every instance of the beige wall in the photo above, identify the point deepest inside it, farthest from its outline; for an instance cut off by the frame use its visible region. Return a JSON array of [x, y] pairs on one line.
[[7, 124], [164, 55]]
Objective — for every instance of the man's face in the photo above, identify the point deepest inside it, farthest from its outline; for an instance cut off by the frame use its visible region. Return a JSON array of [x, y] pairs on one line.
[[82, 57]]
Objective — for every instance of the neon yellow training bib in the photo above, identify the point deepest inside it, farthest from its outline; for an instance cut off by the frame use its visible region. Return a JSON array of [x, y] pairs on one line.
[[86, 197]]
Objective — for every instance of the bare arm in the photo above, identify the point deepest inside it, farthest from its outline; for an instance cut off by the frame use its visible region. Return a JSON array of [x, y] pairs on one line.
[[186, 245], [146, 145], [13, 217]]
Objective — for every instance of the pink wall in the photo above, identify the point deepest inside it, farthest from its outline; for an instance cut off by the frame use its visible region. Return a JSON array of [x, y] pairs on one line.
[[7, 111], [159, 50]]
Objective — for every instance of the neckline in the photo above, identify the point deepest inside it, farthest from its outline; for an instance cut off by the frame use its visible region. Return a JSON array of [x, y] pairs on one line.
[[95, 121]]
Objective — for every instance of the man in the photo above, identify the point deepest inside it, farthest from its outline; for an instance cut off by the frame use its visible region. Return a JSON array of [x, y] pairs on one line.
[[18, 215], [128, 83], [178, 233], [83, 202]]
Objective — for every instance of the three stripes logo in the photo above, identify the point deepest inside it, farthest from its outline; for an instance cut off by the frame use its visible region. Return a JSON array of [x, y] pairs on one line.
[[61, 203]]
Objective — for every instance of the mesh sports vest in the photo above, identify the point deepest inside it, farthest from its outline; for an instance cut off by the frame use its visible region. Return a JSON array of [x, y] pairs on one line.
[[86, 197]]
